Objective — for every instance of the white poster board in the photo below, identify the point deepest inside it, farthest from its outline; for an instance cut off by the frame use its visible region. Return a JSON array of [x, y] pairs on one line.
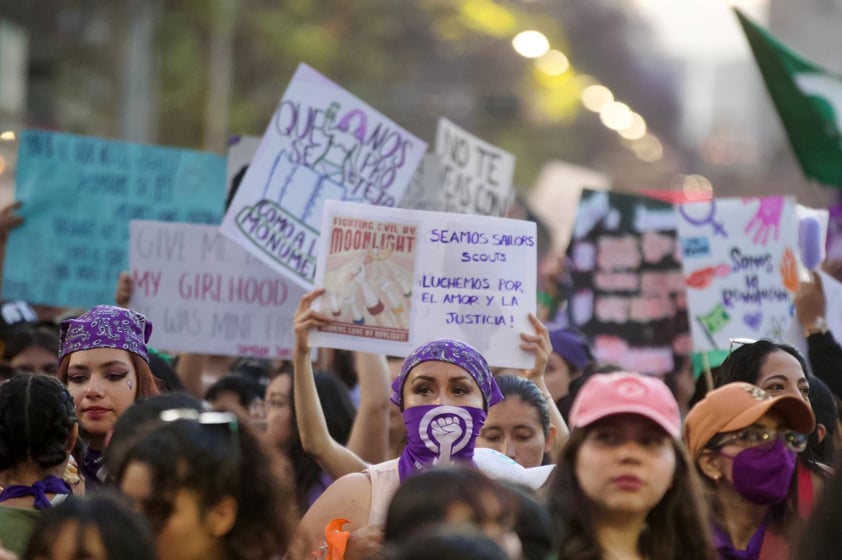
[[397, 278], [205, 294], [240, 151], [477, 175], [322, 143], [740, 262]]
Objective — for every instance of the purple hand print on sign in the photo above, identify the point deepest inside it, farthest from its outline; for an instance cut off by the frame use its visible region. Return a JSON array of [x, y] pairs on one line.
[[767, 219]]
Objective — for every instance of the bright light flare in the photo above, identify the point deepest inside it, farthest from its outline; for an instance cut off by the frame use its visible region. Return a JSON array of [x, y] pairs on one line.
[[616, 115], [595, 97], [553, 63], [531, 44], [648, 149], [636, 130], [8, 136]]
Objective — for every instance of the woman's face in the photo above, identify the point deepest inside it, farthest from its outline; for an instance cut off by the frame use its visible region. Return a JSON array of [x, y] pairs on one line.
[[557, 376], [513, 427], [70, 544], [625, 465], [103, 382], [184, 533], [278, 410], [36, 360], [440, 383], [781, 374]]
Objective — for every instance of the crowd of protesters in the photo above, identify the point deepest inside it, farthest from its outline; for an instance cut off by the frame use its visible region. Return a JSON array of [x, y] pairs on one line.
[[110, 449]]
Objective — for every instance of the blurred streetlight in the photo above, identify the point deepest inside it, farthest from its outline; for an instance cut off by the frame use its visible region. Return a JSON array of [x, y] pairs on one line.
[[636, 130], [531, 44], [8, 136], [595, 97], [553, 63], [616, 115], [648, 148]]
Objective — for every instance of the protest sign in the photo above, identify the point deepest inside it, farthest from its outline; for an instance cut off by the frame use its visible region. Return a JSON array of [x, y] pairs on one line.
[[740, 262], [426, 190], [477, 175], [628, 289], [322, 143], [79, 194], [396, 278], [555, 197], [206, 294]]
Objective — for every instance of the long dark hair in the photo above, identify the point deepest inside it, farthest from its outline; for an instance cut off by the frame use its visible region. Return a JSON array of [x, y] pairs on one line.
[[677, 527], [339, 414], [215, 461]]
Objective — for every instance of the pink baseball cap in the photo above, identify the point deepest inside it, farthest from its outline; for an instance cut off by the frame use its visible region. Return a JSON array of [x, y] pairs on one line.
[[624, 392]]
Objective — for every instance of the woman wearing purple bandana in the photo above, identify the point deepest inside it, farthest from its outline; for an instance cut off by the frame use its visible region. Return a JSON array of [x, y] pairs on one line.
[[745, 444], [444, 391], [104, 362]]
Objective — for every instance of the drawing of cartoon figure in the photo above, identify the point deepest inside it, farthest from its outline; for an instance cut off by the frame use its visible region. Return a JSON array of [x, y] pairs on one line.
[[372, 302]]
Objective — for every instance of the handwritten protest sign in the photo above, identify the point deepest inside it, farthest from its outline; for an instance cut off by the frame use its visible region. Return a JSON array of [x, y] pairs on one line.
[[426, 190], [628, 289], [396, 278], [79, 194], [322, 143], [206, 294], [477, 175], [741, 268]]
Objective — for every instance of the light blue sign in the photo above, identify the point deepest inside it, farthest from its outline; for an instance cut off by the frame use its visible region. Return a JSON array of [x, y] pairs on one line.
[[79, 194]]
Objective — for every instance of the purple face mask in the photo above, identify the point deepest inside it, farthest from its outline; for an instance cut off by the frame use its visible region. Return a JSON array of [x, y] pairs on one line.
[[438, 435], [762, 475]]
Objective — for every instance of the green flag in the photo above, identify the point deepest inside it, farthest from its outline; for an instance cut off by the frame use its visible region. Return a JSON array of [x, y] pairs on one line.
[[808, 99]]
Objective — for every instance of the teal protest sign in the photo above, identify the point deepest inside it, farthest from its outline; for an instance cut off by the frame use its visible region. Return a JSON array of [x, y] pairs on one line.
[[79, 194]]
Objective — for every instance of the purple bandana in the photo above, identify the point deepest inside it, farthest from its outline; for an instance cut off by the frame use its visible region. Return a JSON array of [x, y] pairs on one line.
[[438, 435], [51, 484], [106, 326], [455, 352]]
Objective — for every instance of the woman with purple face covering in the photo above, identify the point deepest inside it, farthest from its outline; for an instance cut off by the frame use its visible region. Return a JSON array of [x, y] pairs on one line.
[[444, 391]]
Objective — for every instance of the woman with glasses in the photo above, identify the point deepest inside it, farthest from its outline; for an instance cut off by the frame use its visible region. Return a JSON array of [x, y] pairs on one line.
[[209, 488], [744, 443], [780, 369], [104, 361]]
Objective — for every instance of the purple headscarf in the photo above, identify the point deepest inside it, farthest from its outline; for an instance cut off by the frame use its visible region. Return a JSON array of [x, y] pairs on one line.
[[106, 326], [571, 346], [455, 352]]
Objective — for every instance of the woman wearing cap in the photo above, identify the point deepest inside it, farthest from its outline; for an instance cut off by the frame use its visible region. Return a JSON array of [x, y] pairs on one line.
[[744, 443], [444, 391], [624, 487], [104, 361], [780, 369]]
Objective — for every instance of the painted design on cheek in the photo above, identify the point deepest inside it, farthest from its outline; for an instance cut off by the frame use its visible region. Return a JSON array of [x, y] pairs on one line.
[[130, 384]]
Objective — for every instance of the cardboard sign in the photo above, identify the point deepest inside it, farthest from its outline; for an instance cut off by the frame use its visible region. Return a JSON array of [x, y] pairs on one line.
[[321, 144], [397, 278], [426, 190], [740, 261], [206, 294], [477, 175], [79, 194], [628, 289]]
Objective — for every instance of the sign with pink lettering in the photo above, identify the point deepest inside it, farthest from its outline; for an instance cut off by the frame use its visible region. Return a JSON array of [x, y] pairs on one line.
[[628, 291], [321, 144], [208, 295], [396, 278], [740, 261]]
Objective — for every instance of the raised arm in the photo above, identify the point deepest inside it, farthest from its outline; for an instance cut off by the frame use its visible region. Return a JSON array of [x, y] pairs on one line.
[[333, 457], [370, 434], [539, 344]]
